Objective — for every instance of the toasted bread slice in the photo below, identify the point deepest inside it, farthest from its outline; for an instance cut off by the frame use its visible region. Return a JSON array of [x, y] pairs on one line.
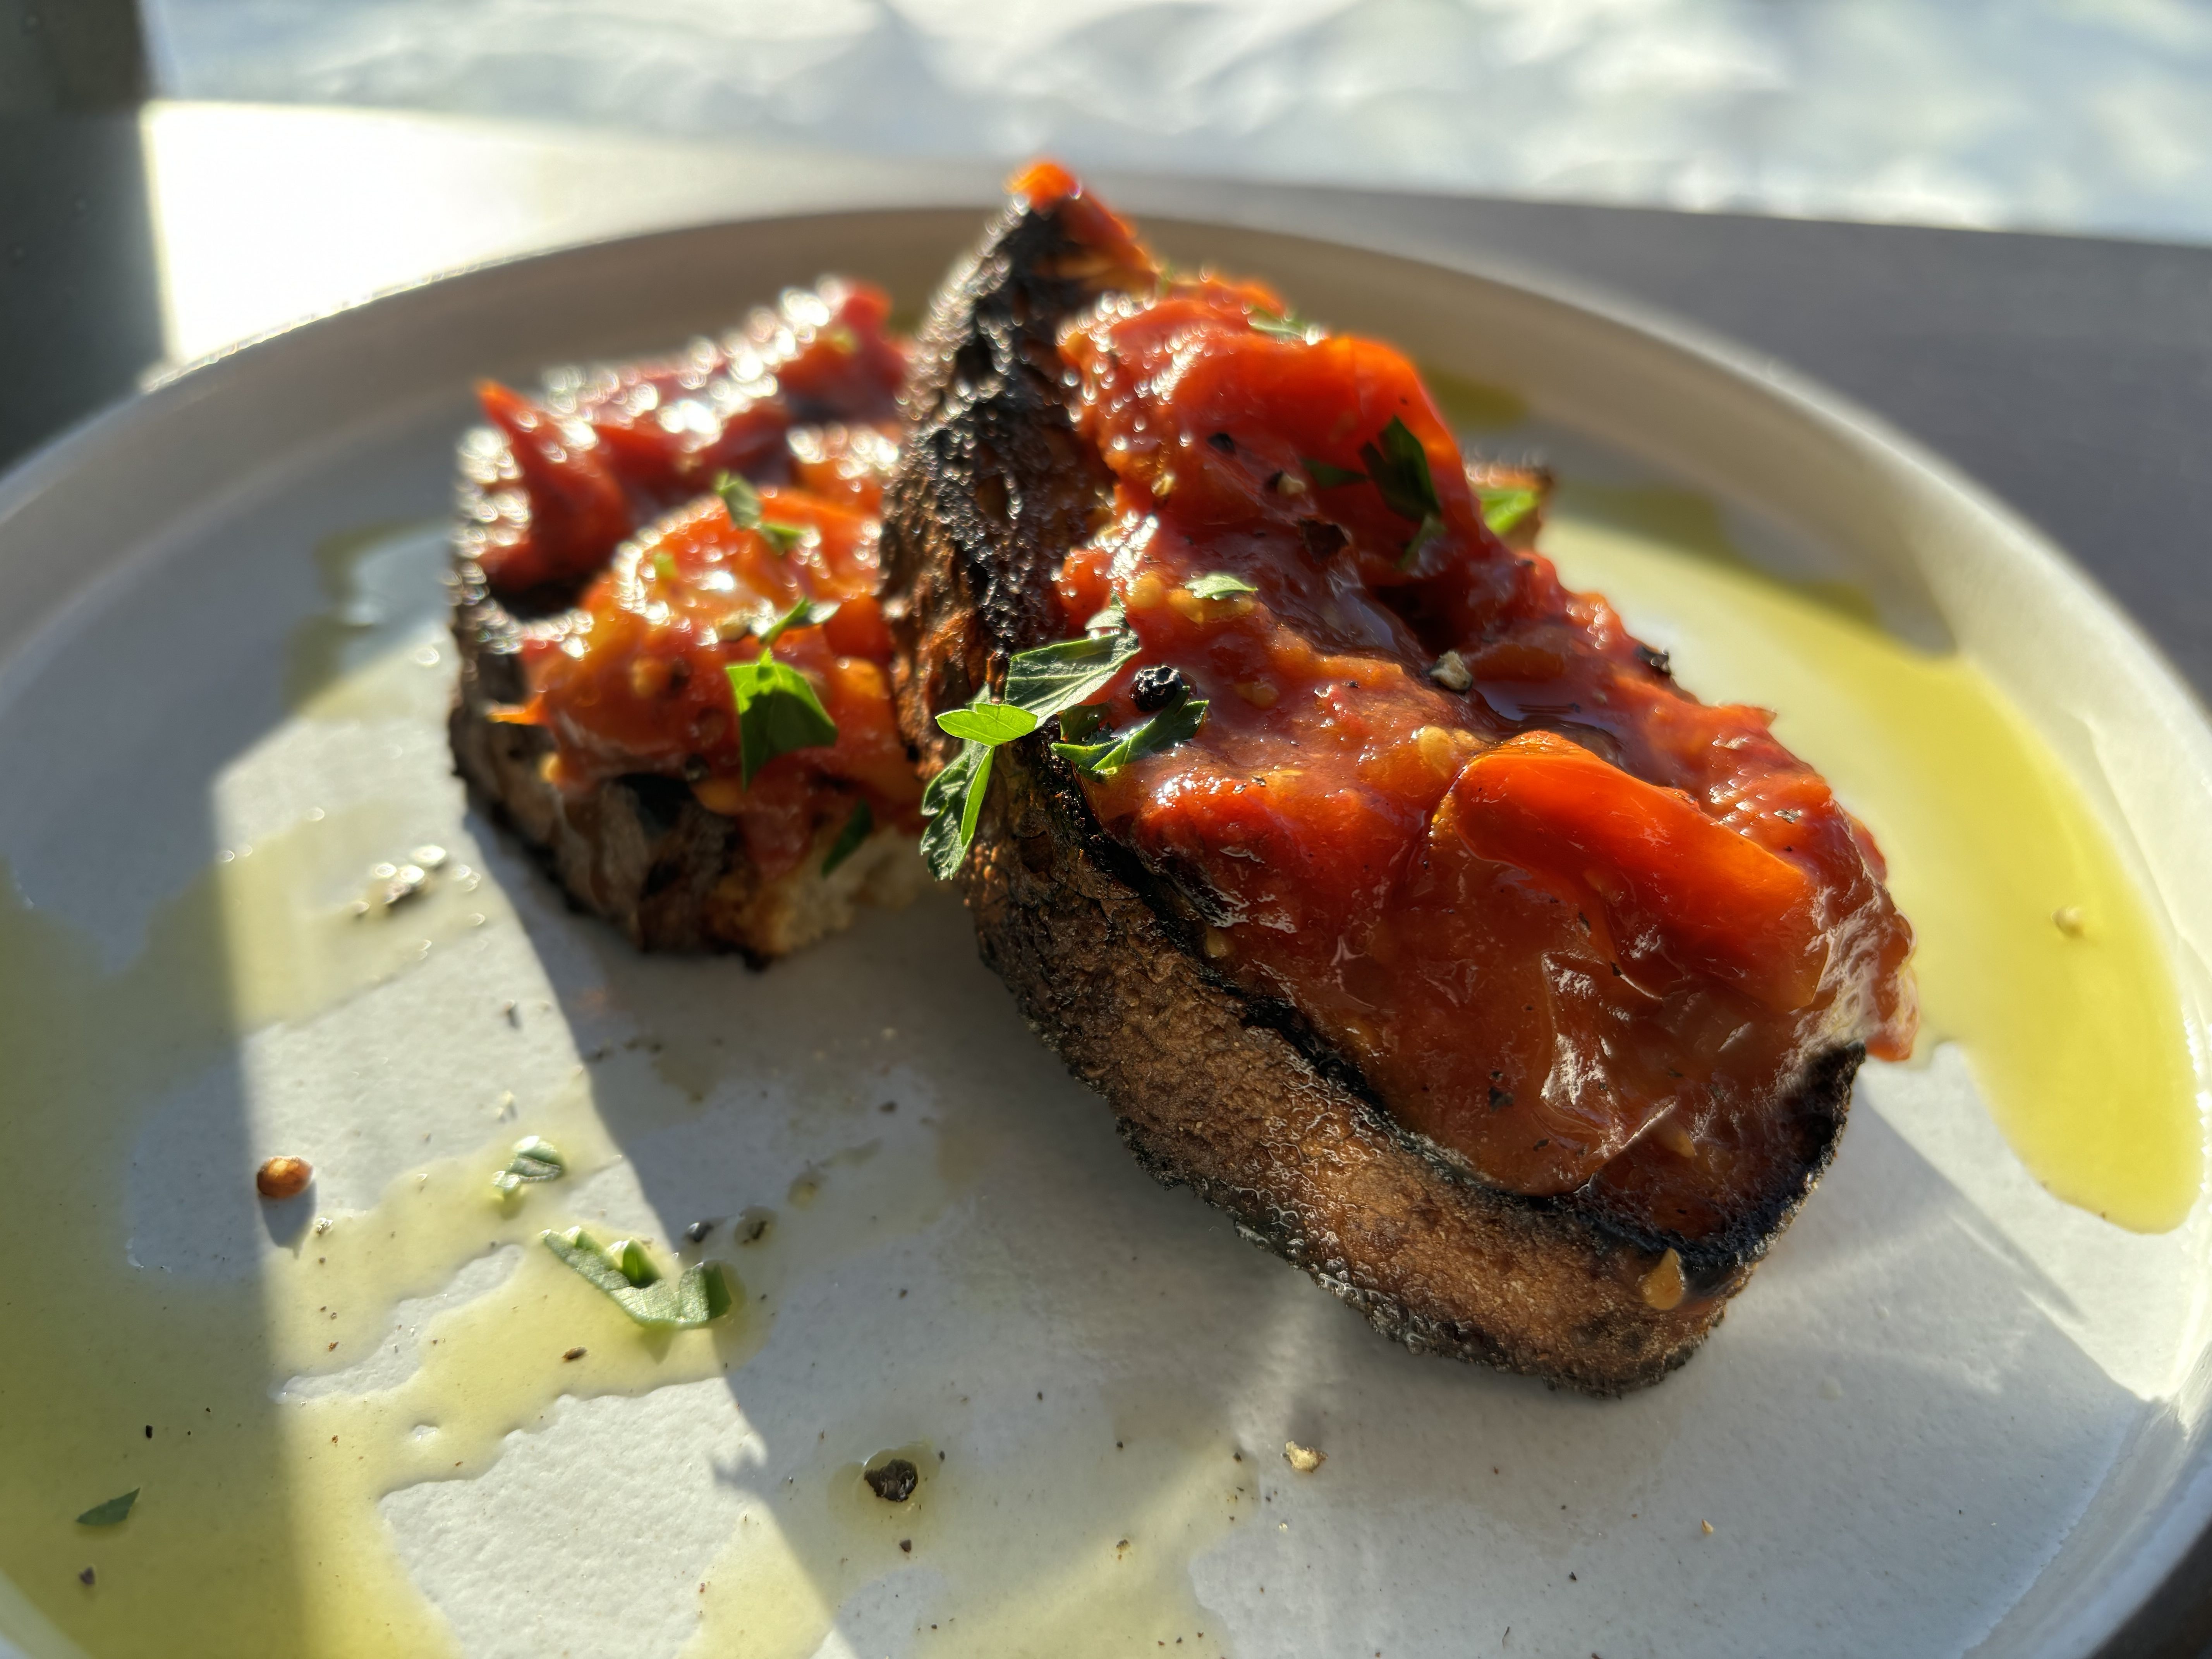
[[1231, 1093], [561, 503], [641, 850]]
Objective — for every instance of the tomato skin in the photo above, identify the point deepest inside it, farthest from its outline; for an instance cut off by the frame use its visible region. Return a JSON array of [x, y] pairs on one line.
[[1569, 923], [612, 449], [578, 510], [1670, 880]]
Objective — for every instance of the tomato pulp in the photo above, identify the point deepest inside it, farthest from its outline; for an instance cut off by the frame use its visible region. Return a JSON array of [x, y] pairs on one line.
[[598, 502], [1571, 923]]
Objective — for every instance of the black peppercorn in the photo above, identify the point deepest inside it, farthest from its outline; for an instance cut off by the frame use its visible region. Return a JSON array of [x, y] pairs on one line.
[[1156, 687]]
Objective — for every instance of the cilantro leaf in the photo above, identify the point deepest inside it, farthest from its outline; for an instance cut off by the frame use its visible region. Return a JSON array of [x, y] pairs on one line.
[[534, 1160], [857, 829], [1328, 477], [1052, 677], [699, 1296], [1288, 326], [1172, 724], [805, 613], [1400, 468], [777, 713], [1504, 506], [1218, 584], [992, 723], [111, 1512], [744, 504]]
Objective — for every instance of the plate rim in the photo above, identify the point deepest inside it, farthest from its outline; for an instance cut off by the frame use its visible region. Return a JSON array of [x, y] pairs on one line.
[[168, 394]]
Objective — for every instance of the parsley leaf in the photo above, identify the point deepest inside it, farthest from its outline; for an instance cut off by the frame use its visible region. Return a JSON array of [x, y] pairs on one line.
[[945, 804], [1049, 680], [1288, 326], [1109, 618], [1328, 477], [698, 1296], [1431, 527], [1169, 727], [805, 613], [992, 723], [1504, 506], [857, 829], [777, 709], [1400, 467], [1056, 677], [111, 1512], [534, 1160], [1218, 584], [744, 504]]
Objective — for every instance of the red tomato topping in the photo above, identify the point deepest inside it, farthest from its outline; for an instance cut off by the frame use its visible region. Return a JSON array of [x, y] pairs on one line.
[[633, 677], [1570, 922], [612, 448], [638, 682]]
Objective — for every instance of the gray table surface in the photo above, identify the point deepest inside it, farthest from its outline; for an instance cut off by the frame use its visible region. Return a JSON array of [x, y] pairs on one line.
[[2071, 376]]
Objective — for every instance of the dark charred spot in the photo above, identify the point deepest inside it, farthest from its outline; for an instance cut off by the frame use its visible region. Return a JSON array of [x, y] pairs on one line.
[[893, 1480], [1500, 1098], [1223, 442], [1324, 540], [1156, 687], [695, 768], [1656, 661]]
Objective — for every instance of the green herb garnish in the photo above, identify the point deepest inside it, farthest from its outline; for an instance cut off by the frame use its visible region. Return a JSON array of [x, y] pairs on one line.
[[991, 723], [946, 802], [857, 829], [744, 504], [1056, 677], [1052, 679], [1288, 326], [698, 1296], [777, 709], [534, 1160], [1330, 477], [111, 1512], [1218, 584], [1400, 467], [803, 613], [663, 565], [1170, 725], [1504, 506]]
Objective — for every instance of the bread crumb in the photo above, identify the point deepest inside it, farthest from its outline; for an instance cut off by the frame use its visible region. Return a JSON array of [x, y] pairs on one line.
[[1705, 1527], [2067, 919], [1305, 1459]]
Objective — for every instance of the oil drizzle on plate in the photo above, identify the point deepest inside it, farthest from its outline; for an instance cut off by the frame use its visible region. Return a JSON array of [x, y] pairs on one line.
[[2035, 952]]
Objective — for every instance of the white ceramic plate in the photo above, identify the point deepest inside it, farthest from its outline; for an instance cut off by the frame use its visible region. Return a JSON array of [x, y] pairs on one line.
[[1948, 1415]]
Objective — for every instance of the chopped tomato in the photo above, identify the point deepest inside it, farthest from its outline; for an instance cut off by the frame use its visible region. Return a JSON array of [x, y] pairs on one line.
[[1571, 923]]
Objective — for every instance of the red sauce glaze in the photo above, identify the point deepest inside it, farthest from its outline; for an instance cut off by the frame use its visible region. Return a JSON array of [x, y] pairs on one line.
[[607, 453], [632, 677], [1571, 923], [637, 682]]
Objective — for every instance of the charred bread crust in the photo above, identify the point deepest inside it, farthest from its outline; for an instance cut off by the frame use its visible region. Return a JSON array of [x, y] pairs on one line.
[[641, 851], [1212, 1087]]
